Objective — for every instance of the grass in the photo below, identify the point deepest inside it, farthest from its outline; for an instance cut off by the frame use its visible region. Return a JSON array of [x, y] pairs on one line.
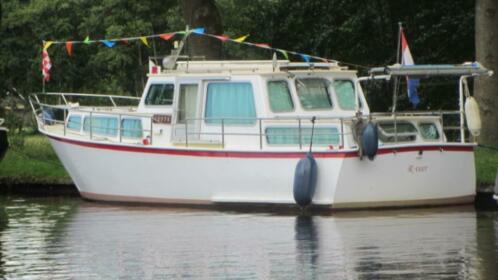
[[31, 159], [486, 166]]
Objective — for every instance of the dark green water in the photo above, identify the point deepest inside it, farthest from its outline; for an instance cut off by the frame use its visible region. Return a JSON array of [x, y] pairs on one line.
[[65, 238]]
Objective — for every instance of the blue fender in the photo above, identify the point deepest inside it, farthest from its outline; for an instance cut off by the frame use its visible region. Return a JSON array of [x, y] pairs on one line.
[[305, 180], [370, 140]]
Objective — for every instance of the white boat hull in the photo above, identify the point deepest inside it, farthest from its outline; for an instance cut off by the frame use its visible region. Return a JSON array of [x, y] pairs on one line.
[[397, 177]]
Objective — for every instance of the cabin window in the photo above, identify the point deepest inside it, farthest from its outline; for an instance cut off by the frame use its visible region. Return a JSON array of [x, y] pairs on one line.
[[131, 128], [345, 93], [280, 96], [74, 122], [160, 94], [233, 102], [290, 135], [101, 125], [428, 131], [313, 93], [187, 107], [405, 132]]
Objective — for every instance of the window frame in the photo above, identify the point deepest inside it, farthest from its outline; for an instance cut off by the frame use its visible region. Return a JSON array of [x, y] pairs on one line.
[[389, 135], [160, 84], [356, 95], [80, 122], [419, 124], [93, 128], [304, 143], [121, 130], [205, 103], [291, 95], [328, 88]]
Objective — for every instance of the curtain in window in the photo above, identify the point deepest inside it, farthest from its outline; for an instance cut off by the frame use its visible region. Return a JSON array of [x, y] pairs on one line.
[[101, 125], [233, 102], [313, 93], [280, 97], [131, 128], [188, 103], [344, 91], [290, 135]]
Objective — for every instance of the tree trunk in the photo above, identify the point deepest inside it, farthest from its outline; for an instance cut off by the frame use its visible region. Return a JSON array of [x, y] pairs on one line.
[[486, 88], [203, 13]]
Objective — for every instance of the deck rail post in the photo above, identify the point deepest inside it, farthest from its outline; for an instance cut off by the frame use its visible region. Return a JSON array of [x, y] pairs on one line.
[[91, 125], [342, 133], [223, 133], [120, 128], [260, 135], [151, 131], [395, 129], [186, 132], [64, 121], [300, 133]]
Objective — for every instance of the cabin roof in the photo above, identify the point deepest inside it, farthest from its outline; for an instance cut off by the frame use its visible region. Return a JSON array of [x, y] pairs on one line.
[[245, 67]]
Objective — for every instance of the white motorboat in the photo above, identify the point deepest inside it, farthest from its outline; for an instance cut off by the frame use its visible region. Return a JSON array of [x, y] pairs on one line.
[[232, 132]]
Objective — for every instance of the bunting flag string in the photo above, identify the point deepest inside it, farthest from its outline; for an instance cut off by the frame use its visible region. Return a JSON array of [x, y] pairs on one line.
[[110, 43]]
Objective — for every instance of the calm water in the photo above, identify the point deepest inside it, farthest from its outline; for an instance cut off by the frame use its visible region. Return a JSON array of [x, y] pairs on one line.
[[61, 238]]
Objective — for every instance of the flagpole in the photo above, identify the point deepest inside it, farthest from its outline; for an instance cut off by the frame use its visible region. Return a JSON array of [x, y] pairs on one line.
[[396, 80], [43, 77]]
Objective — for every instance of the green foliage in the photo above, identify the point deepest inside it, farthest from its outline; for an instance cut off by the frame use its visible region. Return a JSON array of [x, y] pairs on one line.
[[353, 32]]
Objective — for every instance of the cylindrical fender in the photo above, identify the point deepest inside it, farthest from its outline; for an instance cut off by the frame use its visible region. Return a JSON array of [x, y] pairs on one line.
[[305, 180], [472, 116]]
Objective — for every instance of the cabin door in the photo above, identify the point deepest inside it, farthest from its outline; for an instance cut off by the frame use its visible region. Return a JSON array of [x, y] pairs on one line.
[[188, 113]]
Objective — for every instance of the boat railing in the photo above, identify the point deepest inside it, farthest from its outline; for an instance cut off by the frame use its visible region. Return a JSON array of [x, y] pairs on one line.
[[302, 123], [222, 129], [65, 98]]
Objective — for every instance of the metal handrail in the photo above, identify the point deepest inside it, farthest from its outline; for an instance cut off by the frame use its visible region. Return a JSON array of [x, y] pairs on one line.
[[225, 124]]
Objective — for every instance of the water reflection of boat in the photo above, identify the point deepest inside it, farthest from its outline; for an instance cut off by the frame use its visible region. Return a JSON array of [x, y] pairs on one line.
[[417, 244], [214, 132], [4, 143]]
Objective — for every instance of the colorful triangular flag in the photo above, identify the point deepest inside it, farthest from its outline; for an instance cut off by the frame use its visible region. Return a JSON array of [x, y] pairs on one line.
[[167, 36], [69, 48], [199, 30], [144, 40], [223, 38], [87, 40], [108, 43], [241, 39], [47, 44], [284, 53], [262, 45], [305, 57]]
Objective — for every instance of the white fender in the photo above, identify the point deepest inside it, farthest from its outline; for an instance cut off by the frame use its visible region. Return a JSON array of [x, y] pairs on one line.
[[472, 116]]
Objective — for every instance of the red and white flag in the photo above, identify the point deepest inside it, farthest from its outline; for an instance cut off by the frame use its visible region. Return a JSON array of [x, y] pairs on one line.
[[46, 65]]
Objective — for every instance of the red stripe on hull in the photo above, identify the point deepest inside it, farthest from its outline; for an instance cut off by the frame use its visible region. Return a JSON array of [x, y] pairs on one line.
[[234, 154]]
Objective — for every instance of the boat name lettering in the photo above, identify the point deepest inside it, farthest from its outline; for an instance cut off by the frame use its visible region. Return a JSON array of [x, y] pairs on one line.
[[417, 169], [164, 119]]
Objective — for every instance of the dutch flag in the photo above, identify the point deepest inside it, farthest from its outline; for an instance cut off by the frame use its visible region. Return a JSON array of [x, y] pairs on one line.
[[407, 59]]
